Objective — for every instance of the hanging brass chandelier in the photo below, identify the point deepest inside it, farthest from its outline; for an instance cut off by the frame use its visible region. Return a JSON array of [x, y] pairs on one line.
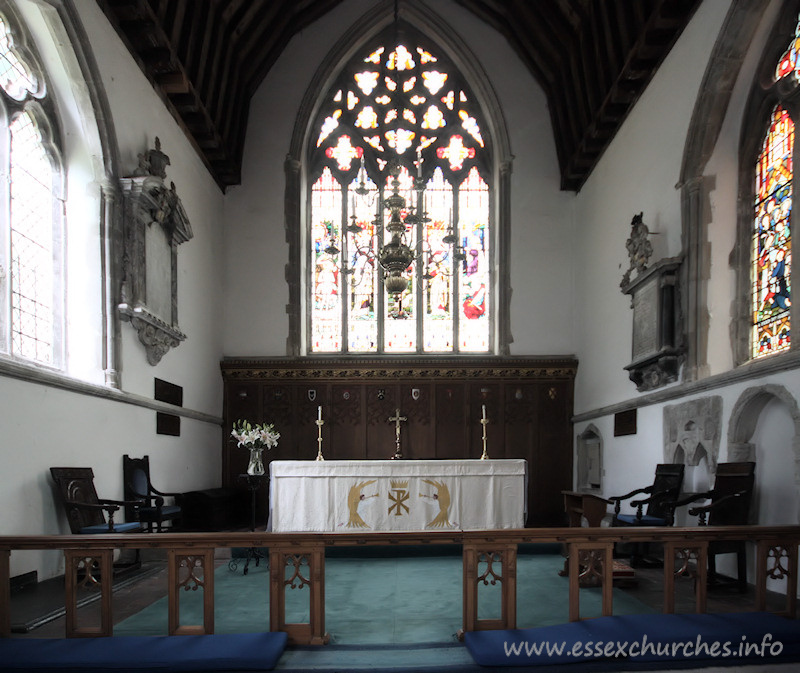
[[396, 256]]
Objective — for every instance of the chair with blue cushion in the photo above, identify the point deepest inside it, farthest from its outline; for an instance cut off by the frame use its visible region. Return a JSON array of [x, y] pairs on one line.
[[661, 499], [662, 496], [87, 514], [146, 502]]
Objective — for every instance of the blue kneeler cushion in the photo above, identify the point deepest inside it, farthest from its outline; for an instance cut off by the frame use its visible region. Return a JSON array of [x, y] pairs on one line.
[[220, 652], [641, 642]]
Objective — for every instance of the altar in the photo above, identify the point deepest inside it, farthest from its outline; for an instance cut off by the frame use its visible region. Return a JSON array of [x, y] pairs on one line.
[[410, 495]]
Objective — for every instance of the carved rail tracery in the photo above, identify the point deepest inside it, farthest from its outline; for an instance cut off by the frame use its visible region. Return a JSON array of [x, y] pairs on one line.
[[88, 560]]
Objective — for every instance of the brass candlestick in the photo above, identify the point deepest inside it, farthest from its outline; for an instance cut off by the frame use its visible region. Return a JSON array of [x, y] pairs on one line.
[[319, 423], [484, 422]]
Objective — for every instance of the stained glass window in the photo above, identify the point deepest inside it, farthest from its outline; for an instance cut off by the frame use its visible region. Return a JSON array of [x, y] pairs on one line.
[[34, 249], [772, 243], [400, 108], [788, 62]]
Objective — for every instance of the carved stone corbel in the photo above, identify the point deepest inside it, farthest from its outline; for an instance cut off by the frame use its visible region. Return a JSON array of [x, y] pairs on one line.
[[154, 223]]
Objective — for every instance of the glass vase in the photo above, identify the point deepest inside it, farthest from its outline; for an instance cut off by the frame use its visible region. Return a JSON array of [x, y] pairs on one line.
[[256, 464]]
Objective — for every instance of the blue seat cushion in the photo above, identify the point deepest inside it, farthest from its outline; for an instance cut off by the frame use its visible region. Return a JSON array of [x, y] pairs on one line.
[[740, 637], [646, 520], [118, 528], [220, 652]]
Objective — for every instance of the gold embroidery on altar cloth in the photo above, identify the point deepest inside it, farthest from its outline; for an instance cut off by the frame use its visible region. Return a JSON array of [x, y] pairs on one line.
[[399, 495], [354, 498], [442, 496]]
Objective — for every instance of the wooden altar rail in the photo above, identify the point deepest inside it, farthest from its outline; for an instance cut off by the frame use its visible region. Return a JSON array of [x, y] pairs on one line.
[[190, 558]]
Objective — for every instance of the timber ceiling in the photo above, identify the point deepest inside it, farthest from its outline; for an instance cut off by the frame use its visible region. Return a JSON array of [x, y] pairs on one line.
[[592, 58]]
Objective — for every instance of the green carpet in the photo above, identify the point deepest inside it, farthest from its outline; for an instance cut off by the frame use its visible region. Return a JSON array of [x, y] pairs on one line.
[[384, 601]]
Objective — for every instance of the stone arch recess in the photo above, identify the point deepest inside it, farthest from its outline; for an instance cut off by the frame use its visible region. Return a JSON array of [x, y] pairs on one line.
[[433, 26], [744, 418], [585, 438]]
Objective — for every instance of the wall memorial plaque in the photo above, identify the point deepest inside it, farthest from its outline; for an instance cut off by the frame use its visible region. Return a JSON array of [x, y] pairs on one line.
[[656, 349], [155, 223]]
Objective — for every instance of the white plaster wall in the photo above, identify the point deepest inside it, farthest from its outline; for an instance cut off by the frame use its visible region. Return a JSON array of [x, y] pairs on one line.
[[139, 117], [44, 427], [41, 426], [638, 173], [542, 308]]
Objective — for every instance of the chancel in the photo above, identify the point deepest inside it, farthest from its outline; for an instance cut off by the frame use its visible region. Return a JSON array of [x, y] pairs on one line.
[[459, 273]]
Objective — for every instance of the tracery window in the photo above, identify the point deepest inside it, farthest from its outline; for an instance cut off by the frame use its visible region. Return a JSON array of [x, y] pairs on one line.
[[32, 289], [400, 118], [771, 249], [772, 255]]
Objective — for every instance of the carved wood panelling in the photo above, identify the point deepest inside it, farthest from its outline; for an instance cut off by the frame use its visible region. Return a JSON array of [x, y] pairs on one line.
[[278, 404], [346, 404], [381, 403], [415, 402], [520, 404], [528, 405]]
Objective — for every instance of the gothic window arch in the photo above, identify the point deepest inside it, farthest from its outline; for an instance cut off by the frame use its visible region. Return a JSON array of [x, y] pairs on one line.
[[58, 245], [31, 252], [398, 99], [764, 261], [399, 125]]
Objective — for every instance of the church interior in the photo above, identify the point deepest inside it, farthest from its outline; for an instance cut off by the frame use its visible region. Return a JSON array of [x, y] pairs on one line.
[[553, 234]]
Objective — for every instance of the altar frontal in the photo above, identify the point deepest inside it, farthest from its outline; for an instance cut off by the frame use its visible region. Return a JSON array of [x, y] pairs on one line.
[[409, 495]]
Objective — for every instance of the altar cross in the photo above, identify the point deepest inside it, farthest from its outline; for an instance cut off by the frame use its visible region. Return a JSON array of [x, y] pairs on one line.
[[397, 419]]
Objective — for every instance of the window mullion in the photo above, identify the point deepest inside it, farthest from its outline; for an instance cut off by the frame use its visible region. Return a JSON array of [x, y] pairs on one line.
[[418, 269], [343, 269], [454, 271], [379, 270], [5, 255]]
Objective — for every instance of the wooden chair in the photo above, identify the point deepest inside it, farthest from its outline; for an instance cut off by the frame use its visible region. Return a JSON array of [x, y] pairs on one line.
[[730, 503], [146, 502], [86, 512], [662, 495]]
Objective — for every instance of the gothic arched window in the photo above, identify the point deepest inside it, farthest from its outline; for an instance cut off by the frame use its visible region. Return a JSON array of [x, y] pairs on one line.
[[32, 299], [772, 242], [400, 248]]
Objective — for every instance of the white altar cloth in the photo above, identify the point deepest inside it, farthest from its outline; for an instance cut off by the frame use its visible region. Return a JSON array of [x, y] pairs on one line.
[[412, 495]]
